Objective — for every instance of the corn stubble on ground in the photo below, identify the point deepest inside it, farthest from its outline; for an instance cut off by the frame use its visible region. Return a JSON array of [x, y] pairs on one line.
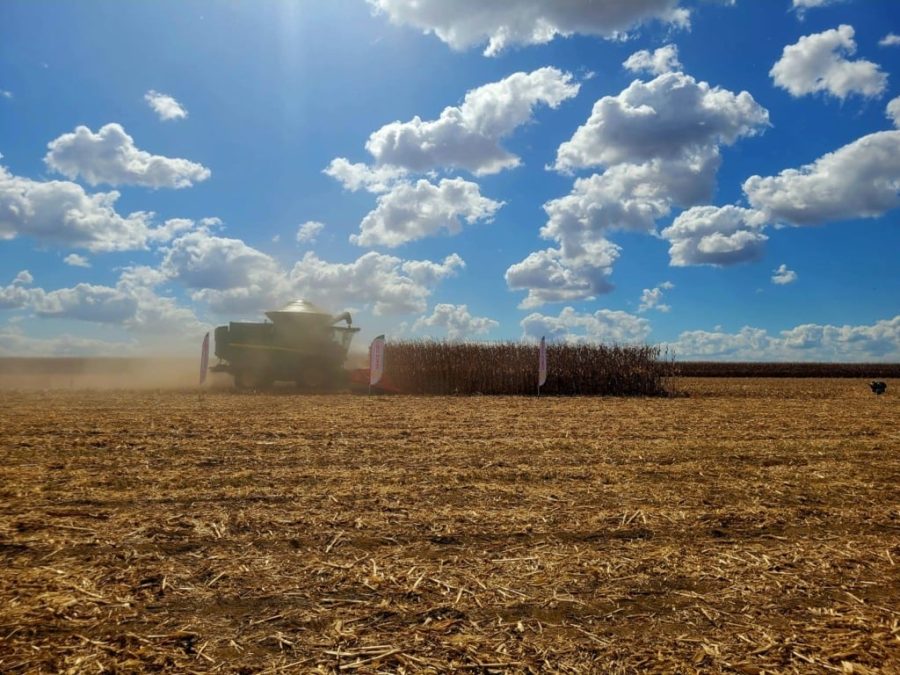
[[751, 527]]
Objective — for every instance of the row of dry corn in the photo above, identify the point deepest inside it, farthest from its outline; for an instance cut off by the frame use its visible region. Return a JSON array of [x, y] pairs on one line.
[[434, 367]]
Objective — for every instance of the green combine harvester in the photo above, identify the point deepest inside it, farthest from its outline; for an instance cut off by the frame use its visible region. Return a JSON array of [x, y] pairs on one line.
[[301, 343]]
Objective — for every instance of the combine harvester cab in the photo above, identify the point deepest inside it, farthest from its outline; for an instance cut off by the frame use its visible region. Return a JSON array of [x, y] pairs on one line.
[[302, 344]]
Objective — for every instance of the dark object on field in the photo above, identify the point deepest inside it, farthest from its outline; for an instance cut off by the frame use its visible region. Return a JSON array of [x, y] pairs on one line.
[[878, 388], [511, 368], [302, 345]]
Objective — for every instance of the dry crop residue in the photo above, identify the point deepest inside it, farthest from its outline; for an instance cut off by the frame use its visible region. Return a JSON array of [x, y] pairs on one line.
[[751, 527]]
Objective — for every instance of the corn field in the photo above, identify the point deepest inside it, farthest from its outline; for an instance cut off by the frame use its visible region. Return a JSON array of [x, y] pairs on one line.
[[434, 367]]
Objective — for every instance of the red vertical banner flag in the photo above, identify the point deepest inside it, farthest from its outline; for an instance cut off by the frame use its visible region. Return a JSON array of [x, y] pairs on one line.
[[542, 364], [204, 359], [376, 360]]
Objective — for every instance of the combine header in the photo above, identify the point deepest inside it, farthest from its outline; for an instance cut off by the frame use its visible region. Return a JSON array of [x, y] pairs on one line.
[[301, 343]]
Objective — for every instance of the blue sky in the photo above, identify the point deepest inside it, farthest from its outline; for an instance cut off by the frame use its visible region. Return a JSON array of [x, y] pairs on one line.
[[721, 177]]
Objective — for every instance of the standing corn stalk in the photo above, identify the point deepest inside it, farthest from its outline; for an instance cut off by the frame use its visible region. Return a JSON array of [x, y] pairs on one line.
[[435, 367]]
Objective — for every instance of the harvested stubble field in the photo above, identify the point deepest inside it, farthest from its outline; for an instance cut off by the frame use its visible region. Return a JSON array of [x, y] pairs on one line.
[[753, 526]]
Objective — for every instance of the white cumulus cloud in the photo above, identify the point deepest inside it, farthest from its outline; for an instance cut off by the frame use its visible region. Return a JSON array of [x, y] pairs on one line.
[[630, 197], [672, 116], [893, 111], [387, 284], [859, 180], [783, 276], [235, 279], [16, 295], [202, 261], [412, 211], [62, 213], [455, 321], [76, 260], [809, 4], [308, 231], [879, 341], [657, 62], [23, 277], [604, 326], [360, 176], [157, 322], [651, 298], [819, 62], [715, 235], [165, 106], [659, 142], [549, 276], [174, 226], [890, 40], [504, 23], [468, 136], [110, 156], [86, 302], [429, 273]]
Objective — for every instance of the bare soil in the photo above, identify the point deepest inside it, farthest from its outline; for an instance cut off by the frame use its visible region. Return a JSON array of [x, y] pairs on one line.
[[751, 526]]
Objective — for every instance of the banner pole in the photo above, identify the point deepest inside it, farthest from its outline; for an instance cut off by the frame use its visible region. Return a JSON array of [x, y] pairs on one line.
[[204, 365], [376, 361], [542, 365]]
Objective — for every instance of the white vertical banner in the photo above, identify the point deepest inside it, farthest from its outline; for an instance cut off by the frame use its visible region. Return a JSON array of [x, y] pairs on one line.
[[376, 360], [204, 359], [542, 364]]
